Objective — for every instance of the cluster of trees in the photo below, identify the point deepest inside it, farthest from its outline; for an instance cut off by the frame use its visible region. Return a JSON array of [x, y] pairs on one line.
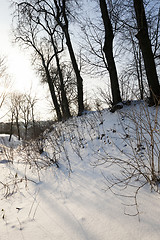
[[22, 117], [22, 111], [45, 26]]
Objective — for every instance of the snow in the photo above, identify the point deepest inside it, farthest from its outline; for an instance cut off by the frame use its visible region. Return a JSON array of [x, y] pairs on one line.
[[4, 141], [40, 201]]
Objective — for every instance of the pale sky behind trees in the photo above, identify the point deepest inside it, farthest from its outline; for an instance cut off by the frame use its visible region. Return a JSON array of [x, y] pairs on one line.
[[18, 61], [19, 66]]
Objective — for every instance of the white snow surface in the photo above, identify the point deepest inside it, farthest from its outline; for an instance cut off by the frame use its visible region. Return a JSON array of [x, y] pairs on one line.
[[4, 141], [39, 201]]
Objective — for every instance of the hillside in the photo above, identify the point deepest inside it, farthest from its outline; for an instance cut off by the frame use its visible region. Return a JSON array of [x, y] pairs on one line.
[[93, 177]]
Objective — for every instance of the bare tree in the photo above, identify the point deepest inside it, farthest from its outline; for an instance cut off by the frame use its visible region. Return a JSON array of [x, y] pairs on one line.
[[92, 54], [27, 106], [56, 13], [132, 78], [64, 103], [108, 50], [146, 48], [15, 106], [22, 114], [70, 86], [28, 32], [61, 16]]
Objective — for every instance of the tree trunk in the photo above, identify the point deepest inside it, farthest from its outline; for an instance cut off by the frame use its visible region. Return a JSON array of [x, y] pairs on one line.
[[61, 9], [78, 76], [74, 64], [146, 48], [11, 128], [138, 65], [141, 85], [26, 131], [108, 50], [18, 128], [53, 95], [65, 104]]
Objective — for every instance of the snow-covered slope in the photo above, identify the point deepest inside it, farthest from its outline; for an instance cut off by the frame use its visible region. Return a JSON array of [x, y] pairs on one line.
[[68, 200]]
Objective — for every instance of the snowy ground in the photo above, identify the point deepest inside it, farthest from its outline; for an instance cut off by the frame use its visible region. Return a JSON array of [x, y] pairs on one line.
[[71, 202]]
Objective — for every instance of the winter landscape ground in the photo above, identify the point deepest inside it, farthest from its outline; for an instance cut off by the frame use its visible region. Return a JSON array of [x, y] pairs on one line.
[[89, 178]]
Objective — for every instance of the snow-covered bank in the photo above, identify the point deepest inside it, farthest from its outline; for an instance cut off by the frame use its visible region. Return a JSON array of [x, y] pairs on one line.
[[71, 202]]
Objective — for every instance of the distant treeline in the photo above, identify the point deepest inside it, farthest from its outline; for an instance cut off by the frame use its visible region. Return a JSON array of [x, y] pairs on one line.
[[33, 131]]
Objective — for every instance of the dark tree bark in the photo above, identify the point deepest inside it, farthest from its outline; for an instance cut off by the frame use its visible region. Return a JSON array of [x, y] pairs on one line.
[[77, 73], [65, 104], [53, 95], [108, 50], [11, 127], [73, 58], [146, 48], [50, 83], [64, 101], [18, 128]]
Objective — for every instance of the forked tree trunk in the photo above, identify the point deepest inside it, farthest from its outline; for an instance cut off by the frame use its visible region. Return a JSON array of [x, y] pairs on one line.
[[73, 59], [65, 104], [146, 48], [108, 50], [61, 9]]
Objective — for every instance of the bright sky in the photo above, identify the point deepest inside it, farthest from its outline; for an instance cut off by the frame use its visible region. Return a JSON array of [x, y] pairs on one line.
[[18, 62]]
